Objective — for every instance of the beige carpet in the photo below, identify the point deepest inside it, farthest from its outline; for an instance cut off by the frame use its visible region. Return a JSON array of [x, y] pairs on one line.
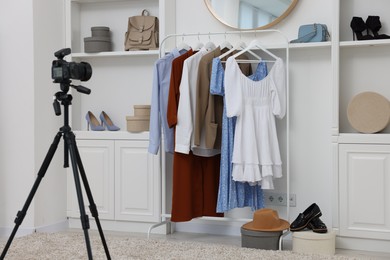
[[44, 246]]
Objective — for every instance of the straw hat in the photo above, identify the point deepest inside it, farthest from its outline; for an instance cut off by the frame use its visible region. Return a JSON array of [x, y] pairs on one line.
[[368, 112], [266, 220]]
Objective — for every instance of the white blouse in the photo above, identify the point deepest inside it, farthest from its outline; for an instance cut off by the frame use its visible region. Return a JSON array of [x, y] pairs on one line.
[[256, 156]]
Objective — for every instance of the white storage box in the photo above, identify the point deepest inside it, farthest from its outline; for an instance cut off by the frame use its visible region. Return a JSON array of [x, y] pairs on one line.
[[314, 243]]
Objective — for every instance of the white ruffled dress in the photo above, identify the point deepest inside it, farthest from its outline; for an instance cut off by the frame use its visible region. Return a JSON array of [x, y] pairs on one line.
[[256, 155]]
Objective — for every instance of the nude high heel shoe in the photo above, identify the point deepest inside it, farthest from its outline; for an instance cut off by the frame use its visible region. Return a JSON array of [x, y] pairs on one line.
[[107, 122], [93, 122]]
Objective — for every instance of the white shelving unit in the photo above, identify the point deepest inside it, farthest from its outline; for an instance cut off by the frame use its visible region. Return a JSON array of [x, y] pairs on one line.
[[120, 78], [124, 177], [361, 161]]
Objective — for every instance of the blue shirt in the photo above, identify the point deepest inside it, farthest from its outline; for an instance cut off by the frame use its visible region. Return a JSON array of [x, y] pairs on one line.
[[159, 104]]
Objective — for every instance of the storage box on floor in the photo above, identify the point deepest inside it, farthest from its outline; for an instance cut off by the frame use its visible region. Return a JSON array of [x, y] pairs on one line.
[[264, 231], [260, 239], [314, 243]]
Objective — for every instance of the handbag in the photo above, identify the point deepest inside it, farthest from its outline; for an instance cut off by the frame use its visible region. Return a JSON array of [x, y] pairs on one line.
[[312, 33], [142, 32]]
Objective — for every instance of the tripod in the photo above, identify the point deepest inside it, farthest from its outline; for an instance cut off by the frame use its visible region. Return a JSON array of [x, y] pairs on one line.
[[70, 147]]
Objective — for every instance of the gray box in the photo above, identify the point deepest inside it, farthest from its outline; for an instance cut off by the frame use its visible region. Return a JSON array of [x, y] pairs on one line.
[[100, 31], [97, 44], [260, 239]]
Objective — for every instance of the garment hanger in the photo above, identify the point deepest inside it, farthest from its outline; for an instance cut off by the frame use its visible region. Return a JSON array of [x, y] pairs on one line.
[[226, 44], [239, 46], [183, 45], [198, 45], [210, 45], [256, 44]]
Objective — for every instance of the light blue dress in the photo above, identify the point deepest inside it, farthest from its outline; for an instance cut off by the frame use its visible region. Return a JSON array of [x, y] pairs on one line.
[[232, 194]]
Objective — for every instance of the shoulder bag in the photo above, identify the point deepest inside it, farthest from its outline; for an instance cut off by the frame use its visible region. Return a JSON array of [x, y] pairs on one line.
[[312, 33]]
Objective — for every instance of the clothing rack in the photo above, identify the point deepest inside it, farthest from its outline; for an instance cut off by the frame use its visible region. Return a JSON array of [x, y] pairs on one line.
[[165, 217]]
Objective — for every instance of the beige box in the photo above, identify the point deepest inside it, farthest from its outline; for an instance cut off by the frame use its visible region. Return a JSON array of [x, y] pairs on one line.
[[142, 110], [314, 243], [136, 124]]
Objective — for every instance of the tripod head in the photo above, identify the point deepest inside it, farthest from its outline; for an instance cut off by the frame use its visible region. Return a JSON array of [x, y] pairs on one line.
[[62, 72]]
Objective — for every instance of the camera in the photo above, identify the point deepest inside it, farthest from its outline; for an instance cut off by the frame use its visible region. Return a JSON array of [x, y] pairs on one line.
[[62, 71]]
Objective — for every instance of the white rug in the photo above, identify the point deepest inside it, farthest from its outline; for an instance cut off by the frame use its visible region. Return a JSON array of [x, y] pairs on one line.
[[61, 246]]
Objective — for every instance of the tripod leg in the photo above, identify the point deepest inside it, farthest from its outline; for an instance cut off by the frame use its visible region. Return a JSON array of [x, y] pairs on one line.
[[92, 205], [41, 173], [71, 144]]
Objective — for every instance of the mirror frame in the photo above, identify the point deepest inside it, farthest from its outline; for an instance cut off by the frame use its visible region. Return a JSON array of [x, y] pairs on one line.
[[276, 21]]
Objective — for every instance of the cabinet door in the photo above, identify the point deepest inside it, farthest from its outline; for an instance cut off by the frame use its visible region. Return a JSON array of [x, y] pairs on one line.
[[365, 190], [137, 182], [97, 157]]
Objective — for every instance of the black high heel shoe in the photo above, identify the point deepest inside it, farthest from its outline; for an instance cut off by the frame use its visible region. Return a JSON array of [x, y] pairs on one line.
[[358, 26], [374, 24]]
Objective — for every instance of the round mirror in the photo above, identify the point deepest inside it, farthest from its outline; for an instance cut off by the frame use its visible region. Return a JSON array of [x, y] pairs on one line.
[[250, 14]]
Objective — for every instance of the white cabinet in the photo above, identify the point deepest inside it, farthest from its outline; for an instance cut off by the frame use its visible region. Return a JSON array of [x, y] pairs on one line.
[[124, 179], [137, 182], [98, 160], [364, 191], [362, 161]]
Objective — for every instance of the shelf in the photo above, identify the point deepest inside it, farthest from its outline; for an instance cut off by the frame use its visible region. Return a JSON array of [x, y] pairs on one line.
[[310, 45], [356, 138], [111, 135], [306, 45], [367, 43], [96, 1], [114, 54]]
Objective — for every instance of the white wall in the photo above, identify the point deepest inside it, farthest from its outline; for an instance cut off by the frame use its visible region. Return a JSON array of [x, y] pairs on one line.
[[49, 36], [30, 31], [310, 108], [16, 108], [29, 124]]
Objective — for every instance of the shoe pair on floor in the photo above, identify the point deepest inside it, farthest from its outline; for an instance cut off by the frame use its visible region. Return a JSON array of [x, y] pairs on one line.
[[310, 219], [372, 23], [105, 122]]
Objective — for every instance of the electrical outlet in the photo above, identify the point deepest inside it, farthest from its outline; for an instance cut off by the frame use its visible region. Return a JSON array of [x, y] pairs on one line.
[[279, 199]]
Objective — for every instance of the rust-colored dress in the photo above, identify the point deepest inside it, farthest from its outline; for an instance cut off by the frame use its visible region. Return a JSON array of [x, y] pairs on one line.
[[195, 178]]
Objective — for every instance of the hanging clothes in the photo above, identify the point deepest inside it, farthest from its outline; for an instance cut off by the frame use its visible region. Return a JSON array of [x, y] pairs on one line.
[[256, 155], [208, 108], [174, 91], [232, 194], [158, 110], [194, 182], [185, 128]]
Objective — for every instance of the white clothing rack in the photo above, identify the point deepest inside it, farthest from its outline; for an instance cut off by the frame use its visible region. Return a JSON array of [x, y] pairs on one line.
[[285, 45]]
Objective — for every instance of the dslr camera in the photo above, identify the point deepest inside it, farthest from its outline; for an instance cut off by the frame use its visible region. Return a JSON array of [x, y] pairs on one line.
[[62, 71]]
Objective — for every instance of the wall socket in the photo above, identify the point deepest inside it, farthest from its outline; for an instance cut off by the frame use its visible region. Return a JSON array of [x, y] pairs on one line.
[[279, 199]]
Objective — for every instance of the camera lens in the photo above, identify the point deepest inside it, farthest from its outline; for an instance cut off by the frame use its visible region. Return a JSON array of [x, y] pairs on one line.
[[81, 71]]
